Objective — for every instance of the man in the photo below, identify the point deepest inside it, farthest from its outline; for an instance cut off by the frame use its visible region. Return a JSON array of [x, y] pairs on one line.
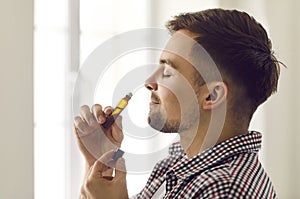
[[217, 156]]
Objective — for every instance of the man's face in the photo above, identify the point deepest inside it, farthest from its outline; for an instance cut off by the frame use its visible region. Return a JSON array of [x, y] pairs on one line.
[[174, 105]]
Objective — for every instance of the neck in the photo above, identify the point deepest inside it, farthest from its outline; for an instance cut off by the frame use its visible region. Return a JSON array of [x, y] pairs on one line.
[[196, 141]]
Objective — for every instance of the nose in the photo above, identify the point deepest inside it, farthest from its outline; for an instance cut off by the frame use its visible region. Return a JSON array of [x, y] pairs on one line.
[[151, 82], [151, 85]]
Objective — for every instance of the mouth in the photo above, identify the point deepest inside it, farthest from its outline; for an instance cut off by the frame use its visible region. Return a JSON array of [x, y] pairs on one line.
[[153, 103], [154, 100]]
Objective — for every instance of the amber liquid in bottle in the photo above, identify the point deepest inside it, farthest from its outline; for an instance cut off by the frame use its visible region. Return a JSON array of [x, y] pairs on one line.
[[117, 110]]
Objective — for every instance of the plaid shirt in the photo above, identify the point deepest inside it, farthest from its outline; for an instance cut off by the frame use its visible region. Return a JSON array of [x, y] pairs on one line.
[[230, 169]]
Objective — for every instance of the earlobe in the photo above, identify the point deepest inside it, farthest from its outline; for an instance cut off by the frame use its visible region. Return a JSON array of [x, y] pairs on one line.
[[217, 95]]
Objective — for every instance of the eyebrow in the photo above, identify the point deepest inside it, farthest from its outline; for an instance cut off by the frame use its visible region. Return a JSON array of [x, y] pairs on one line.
[[168, 62]]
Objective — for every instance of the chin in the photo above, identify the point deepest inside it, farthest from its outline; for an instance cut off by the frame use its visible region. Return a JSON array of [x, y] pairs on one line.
[[162, 125]]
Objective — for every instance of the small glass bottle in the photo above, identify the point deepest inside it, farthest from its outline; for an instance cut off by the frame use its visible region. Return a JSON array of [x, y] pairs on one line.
[[117, 110]]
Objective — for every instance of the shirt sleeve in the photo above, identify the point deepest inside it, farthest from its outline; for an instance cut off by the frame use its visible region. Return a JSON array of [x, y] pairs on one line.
[[214, 185]]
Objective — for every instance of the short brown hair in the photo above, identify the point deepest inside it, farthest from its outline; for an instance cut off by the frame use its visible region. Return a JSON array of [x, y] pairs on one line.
[[239, 46]]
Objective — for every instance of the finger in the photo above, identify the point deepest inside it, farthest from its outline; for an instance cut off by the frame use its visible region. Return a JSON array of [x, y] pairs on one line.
[[100, 165], [97, 169], [107, 157], [80, 124], [117, 132], [98, 113], [120, 172], [86, 114], [108, 110], [83, 193], [76, 131], [107, 173], [118, 122]]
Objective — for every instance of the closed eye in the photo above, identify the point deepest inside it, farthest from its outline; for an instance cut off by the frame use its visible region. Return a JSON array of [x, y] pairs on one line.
[[166, 75], [167, 72]]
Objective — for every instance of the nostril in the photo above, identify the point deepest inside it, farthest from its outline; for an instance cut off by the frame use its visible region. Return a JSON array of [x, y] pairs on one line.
[[151, 84], [149, 87]]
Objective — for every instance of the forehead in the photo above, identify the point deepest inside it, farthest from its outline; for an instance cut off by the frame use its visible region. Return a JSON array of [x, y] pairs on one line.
[[179, 49], [181, 43], [186, 52]]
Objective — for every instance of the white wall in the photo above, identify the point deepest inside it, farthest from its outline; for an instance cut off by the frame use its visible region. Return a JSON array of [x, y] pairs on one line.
[[163, 11], [16, 100], [283, 110], [281, 136]]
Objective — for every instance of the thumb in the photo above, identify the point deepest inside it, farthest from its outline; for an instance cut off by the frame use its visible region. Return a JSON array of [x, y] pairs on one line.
[[97, 169], [101, 165]]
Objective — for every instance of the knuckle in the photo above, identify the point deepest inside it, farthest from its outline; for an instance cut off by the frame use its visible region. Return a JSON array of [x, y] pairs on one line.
[[108, 107], [84, 107], [82, 126], [93, 122], [97, 107], [82, 190], [108, 110], [77, 119], [87, 184]]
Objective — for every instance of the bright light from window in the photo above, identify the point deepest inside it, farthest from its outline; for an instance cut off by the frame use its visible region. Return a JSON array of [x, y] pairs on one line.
[[50, 39], [57, 175]]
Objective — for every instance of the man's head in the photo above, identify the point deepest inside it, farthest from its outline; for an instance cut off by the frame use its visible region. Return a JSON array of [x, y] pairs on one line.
[[241, 49]]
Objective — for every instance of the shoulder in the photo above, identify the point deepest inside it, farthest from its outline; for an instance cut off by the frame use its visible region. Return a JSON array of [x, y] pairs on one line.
[[215, 182], [239, 176]]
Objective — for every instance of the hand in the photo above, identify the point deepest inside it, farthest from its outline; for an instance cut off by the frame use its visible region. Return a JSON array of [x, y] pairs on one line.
[[98, 186], [93, 140]]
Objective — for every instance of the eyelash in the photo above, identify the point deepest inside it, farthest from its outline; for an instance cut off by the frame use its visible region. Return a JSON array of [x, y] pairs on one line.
[[166, 75]]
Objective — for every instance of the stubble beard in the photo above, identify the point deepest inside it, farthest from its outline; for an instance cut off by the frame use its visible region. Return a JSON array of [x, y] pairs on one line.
[[158, 120]]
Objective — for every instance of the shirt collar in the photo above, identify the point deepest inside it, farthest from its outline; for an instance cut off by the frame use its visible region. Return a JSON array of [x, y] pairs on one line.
[[175, 149], [246, 143]]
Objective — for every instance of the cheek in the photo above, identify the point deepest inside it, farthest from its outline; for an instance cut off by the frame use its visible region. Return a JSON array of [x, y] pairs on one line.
[[179, 90], [178, 94], [169, 102]]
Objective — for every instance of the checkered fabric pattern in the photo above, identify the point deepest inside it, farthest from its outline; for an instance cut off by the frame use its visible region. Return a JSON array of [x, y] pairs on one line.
[[230, 169]]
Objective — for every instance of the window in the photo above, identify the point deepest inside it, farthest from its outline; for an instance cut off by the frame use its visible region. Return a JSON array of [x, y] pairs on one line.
[[50, 52], [61, 46]]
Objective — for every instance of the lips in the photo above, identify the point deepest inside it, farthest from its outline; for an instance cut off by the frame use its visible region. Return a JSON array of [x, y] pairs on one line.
[[154, 100], [153, 103]]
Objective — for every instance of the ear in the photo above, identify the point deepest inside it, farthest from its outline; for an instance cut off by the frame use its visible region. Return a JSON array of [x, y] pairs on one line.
[[217, 94]]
